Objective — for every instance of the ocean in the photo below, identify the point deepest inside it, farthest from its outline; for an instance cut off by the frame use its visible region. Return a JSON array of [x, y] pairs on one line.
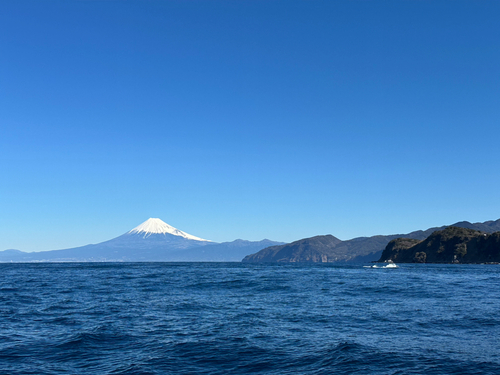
[[234, 318]]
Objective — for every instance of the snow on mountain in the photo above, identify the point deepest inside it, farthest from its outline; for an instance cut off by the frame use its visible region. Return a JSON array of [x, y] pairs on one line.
[[158, 226]]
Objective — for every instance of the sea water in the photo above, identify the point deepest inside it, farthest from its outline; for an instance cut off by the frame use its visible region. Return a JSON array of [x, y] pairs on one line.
[[233, 318]]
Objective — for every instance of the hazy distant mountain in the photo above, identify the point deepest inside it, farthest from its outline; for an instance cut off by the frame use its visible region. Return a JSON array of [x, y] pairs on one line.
[[362, 249], [11, 254], [153, 240], [233, 251]]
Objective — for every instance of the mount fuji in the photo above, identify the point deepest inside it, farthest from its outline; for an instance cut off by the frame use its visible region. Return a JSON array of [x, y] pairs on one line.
[[152, 227], [153, 240]]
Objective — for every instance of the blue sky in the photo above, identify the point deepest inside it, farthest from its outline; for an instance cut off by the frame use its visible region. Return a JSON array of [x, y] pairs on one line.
[[246, 119]]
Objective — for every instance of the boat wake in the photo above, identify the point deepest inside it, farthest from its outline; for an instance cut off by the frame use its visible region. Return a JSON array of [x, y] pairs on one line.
[[389, 264]]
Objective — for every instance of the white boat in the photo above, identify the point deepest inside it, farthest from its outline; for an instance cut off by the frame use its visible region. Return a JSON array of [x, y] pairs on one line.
[[390, 265]]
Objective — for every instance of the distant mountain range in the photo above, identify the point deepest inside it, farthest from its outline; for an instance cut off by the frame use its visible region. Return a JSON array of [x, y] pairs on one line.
[[328, 248], [153, 240]]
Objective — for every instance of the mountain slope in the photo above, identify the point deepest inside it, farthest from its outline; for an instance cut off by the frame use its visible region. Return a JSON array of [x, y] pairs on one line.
[[314, 249], [233, 251], [361, 249], [153, 240], [451, 245]]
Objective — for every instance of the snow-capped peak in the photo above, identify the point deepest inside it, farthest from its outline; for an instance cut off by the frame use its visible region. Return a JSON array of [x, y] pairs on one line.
[[157, 226]]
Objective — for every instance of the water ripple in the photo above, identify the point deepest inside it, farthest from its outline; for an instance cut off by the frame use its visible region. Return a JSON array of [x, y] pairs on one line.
[[220, 318]]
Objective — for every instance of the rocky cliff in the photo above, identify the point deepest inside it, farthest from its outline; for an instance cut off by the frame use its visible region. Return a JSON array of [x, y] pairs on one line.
[[362, 249], [451, 245]]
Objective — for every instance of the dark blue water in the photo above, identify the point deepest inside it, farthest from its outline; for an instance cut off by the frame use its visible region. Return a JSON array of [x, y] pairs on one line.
[[230, 318]]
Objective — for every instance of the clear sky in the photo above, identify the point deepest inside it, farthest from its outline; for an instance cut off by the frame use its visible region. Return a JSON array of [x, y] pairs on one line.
[[246, 119]]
